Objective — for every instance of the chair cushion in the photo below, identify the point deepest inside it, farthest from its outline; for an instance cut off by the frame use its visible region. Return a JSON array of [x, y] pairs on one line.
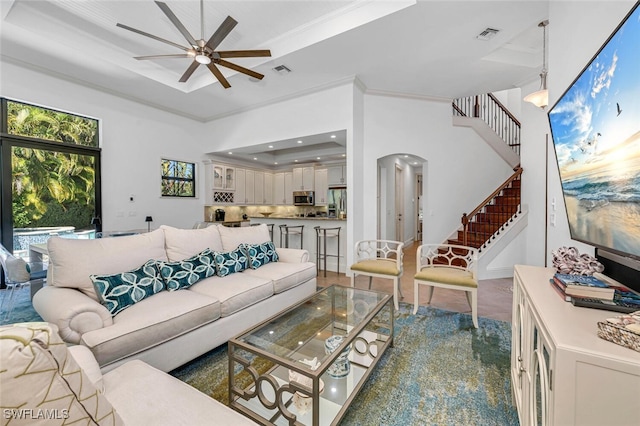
[[17, 270], [235, 292], [146, 324], [230, 262], [187, 272], [184, 243], [119, 291], [260, 254], [72, 261], [285, 275], [377, 266], [40, 375], [233, 237], [447, 275]]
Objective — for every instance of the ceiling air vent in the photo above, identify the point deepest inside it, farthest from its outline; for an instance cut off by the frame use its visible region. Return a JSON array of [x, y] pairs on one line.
[[487, 34], [282, 69]]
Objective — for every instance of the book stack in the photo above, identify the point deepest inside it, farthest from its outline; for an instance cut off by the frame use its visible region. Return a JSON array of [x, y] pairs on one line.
[[592, 292]]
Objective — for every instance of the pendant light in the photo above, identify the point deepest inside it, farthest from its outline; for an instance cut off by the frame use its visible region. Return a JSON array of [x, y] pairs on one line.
[[541, 97]]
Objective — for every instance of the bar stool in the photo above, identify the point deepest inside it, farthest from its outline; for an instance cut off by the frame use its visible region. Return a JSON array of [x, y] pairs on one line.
[[321, 247], [296, 230]]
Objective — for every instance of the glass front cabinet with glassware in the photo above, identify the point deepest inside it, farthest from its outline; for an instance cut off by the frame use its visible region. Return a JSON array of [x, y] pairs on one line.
[[562, 373]]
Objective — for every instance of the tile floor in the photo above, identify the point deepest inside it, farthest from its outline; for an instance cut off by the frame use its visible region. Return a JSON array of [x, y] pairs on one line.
[[494, 296]]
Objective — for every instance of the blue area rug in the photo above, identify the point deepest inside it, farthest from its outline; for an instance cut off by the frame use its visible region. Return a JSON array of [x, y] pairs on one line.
[[22, 308], [441, 371]]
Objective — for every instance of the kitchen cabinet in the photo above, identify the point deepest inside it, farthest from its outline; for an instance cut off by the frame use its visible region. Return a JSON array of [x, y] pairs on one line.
[[337, 175], [562, 373], [258, 188], [223, 177], [321, 187], [268, 189], [282, 188], [303, 179], [245, 187]]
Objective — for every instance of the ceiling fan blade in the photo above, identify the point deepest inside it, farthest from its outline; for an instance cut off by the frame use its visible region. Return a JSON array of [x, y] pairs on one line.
[[126, 27], [223, 30], [175, 21], [179, 55], [189, 71], [238, 68], [243, 53], [219, 75]]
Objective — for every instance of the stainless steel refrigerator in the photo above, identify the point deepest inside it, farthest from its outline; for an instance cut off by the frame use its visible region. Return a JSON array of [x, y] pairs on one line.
[[337, 202]]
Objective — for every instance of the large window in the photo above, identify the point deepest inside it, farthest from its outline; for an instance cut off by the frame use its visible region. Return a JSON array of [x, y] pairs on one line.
[[49, 174], [178, 179]]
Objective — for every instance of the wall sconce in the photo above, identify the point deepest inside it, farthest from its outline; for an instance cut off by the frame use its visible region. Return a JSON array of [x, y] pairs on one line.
[[148, 219]]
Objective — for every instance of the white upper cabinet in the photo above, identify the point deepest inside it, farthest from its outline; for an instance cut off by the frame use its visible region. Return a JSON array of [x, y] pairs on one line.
[[321, 187], [337, 175], [303, 179], [223, 177], [282, 188]]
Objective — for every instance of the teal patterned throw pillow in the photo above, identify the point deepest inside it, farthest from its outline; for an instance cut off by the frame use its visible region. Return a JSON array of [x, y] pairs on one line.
[[260, 254], [189, 271], [231, 261], [119, 291]]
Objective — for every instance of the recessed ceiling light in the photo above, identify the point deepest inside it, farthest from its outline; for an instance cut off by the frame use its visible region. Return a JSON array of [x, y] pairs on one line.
[[255, 158], [406, 156], [295, 161], [299, 141], [344, 155], [317, 158], [333, 136], [415, 162], [275, 162], [270, 146], [230, 152]]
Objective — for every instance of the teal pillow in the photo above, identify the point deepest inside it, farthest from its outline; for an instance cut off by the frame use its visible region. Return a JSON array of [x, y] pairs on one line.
[[260, 254], [119, 291], [231, 261], [189, 271]]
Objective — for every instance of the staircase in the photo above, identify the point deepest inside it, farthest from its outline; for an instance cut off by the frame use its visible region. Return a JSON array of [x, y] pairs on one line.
[[501, 212]]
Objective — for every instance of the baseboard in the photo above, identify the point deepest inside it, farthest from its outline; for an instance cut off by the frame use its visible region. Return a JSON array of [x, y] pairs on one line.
[[493, 273]]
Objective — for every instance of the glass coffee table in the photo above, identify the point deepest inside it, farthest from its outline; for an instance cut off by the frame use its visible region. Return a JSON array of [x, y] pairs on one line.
[[306, 364]]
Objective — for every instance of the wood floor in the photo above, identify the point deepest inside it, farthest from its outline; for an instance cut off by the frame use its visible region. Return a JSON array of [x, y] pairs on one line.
[[494, 296]]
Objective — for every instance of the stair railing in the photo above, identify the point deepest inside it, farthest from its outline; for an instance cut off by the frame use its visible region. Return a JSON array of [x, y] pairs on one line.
[[491, 111], [498, 214]]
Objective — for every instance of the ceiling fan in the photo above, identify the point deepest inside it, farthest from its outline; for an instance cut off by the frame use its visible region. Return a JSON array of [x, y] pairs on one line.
[[203, 52]]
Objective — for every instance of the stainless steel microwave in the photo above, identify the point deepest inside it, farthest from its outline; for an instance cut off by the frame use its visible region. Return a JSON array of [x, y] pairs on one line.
[[303, 198]]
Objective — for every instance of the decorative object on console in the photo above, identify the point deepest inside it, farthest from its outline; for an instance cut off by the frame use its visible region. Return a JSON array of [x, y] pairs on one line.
[[97, 223], [341, 367], [568, 260], [623, 330], [304, 403], [203, 52], [148, 219], [541, 97]]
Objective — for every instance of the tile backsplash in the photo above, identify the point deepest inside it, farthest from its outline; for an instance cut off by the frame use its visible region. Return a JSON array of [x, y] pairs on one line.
[[233, 213]]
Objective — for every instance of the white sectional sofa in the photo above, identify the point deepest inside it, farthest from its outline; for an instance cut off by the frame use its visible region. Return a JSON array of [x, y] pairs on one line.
[[168, 328]]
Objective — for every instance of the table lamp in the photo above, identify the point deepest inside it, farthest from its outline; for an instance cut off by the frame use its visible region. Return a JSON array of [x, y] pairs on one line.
[[148, 219]]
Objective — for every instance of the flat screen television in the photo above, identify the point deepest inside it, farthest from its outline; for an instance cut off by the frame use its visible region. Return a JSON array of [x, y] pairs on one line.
[[595, 127]]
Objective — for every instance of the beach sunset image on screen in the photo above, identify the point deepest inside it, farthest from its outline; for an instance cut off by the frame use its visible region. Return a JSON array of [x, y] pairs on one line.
[[596, 133]]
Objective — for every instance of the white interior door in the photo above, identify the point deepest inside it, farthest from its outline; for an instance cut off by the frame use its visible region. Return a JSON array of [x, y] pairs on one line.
[[399, 204]]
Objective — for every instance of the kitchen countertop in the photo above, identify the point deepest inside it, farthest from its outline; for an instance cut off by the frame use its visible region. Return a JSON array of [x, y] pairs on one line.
[[297, 218]]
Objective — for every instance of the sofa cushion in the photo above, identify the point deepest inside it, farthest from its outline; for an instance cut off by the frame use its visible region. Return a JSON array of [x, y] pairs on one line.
[[119, 291], [230, 262], [147, 396], [260, 254], [150, 322], [40, 375], [235, 292], [285, 275], [184, 243], [189, 271], [72, 261], [233, 237]]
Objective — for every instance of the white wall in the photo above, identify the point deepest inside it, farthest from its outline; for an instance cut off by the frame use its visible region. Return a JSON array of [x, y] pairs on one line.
[[462, 169], [134, 137], [576, 31]]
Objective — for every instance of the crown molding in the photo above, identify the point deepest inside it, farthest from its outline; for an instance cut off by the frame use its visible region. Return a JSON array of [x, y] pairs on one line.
[[391, 94]]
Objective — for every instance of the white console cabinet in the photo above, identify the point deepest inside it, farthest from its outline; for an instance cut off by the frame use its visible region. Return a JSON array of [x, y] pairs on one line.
[[562, 373]]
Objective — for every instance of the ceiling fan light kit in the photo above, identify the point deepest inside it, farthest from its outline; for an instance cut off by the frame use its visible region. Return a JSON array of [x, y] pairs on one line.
[[203, 52]]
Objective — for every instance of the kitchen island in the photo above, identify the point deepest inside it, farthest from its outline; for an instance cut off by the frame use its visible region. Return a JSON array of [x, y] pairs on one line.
[[309, 236]]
